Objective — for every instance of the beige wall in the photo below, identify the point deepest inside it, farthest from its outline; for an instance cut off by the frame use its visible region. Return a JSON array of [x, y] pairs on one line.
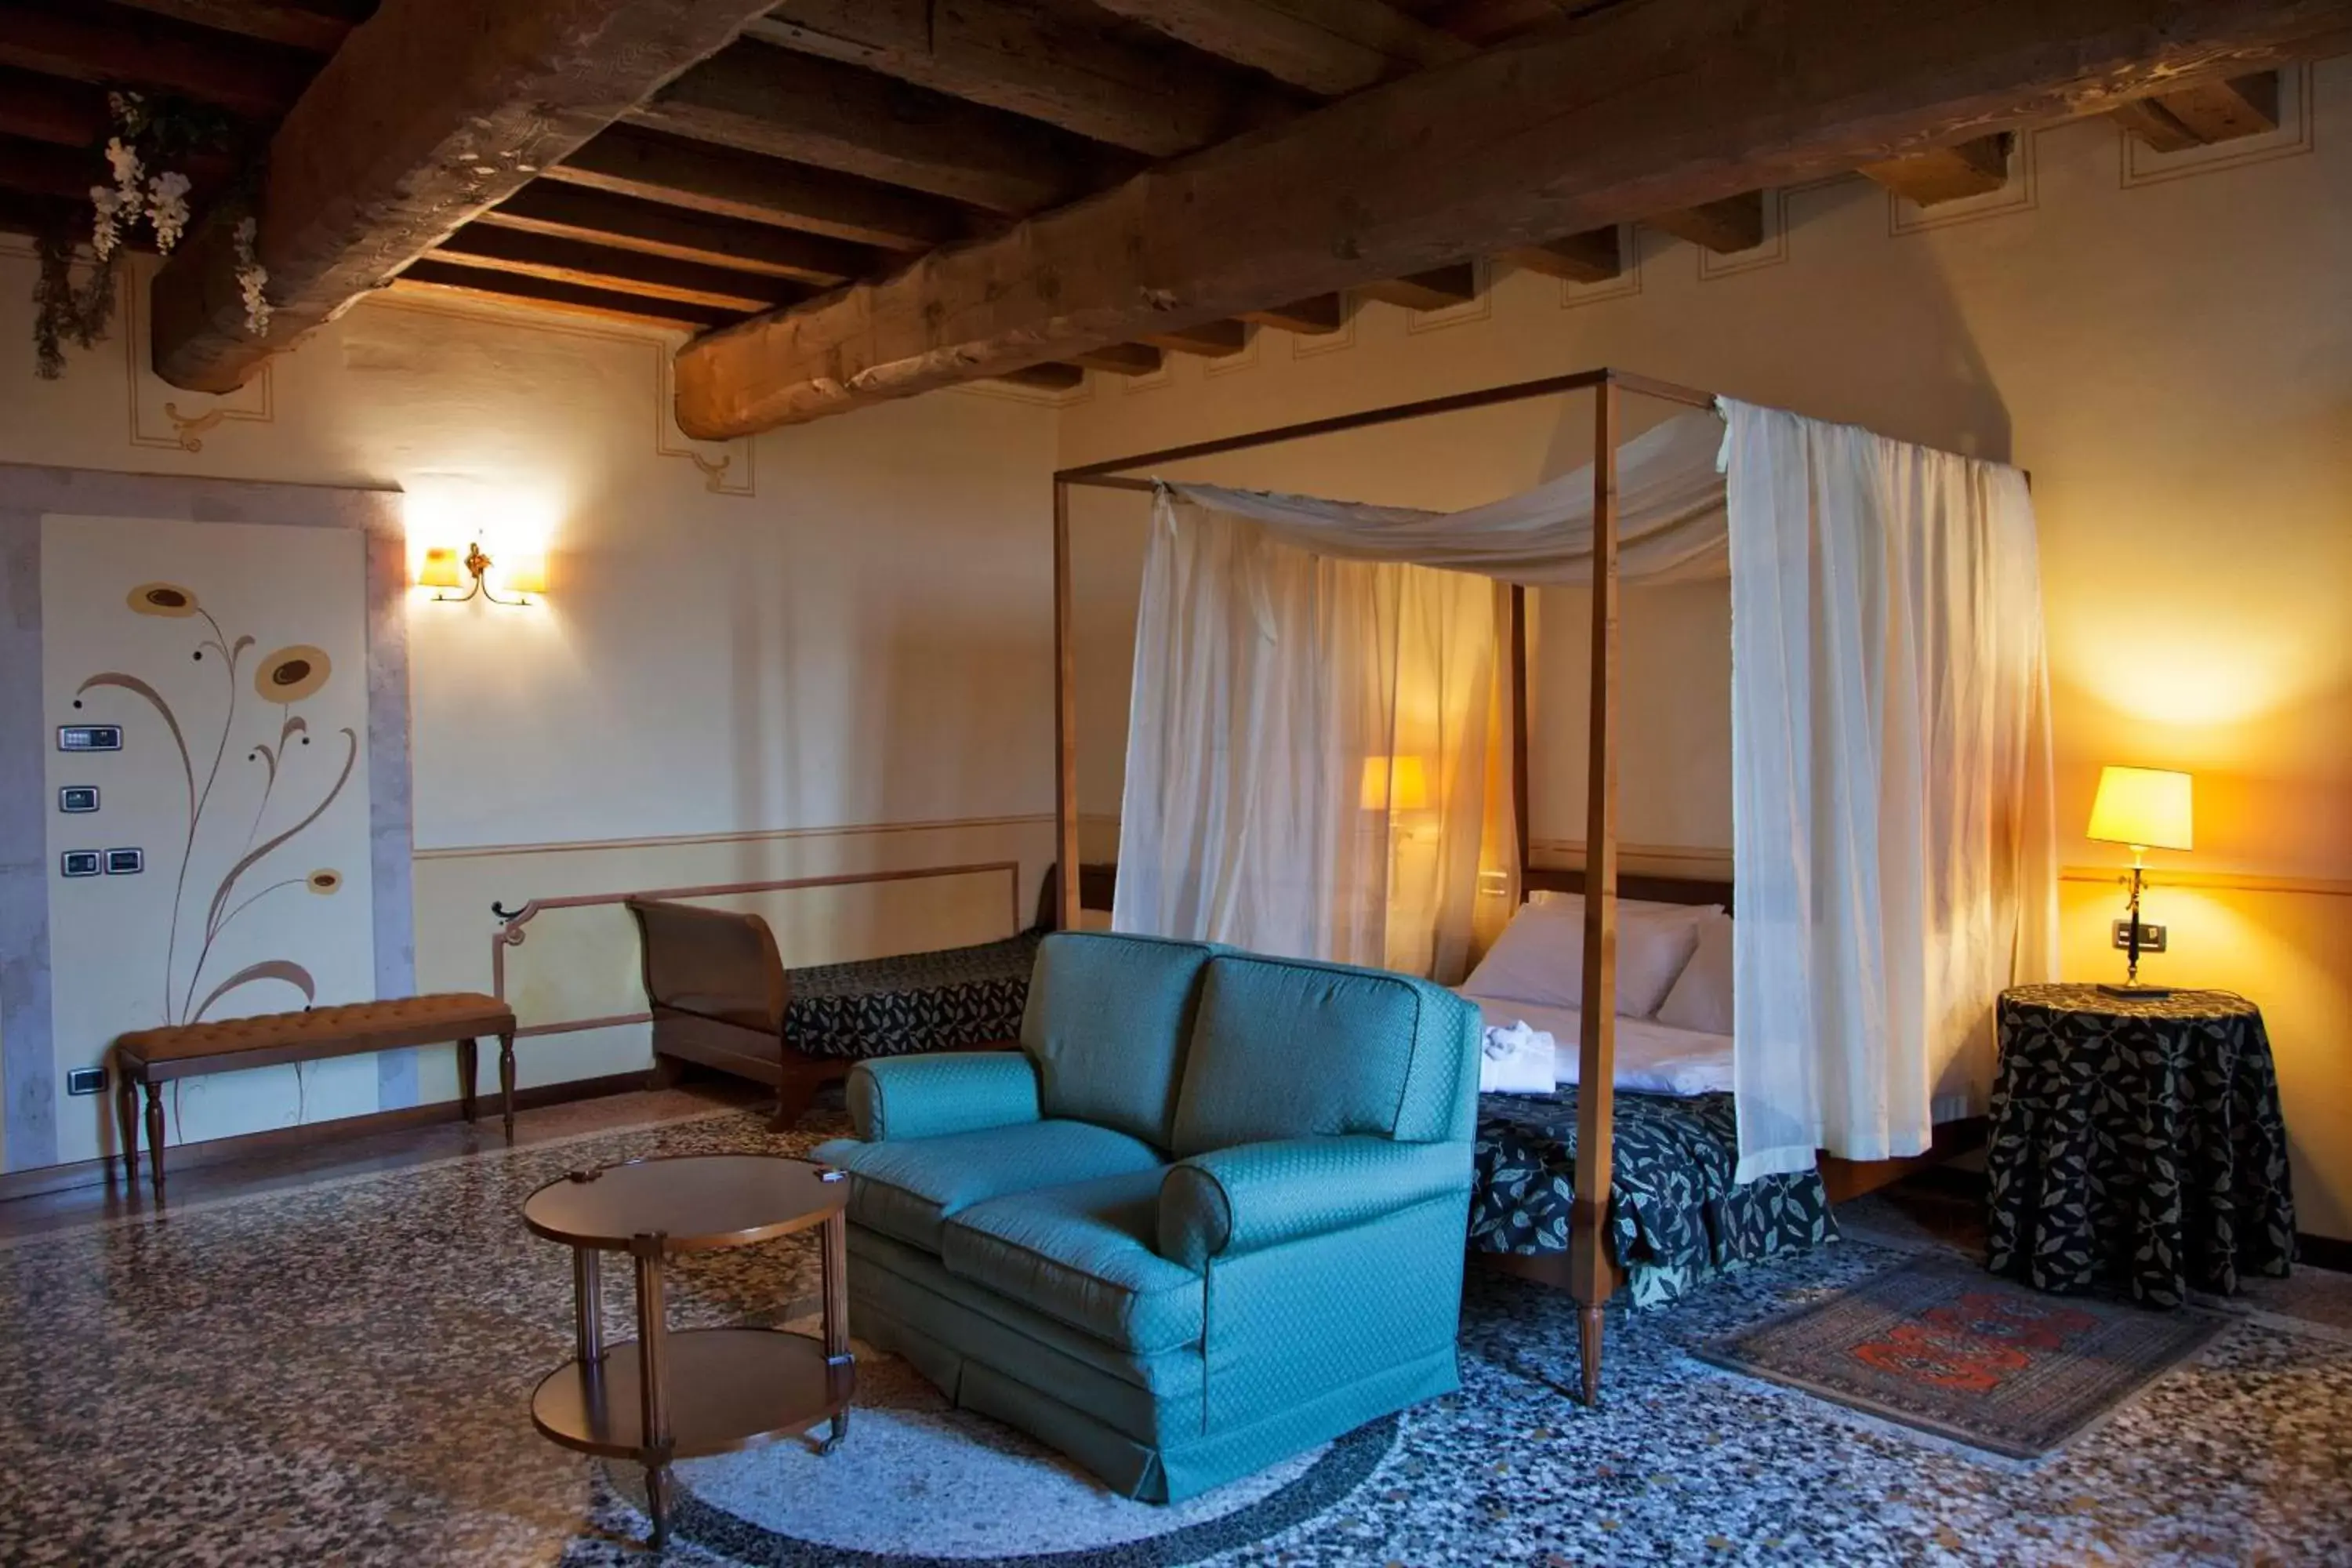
[[2161, 341], [824, 652]]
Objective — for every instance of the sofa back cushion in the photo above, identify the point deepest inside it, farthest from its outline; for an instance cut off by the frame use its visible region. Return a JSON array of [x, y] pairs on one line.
[[1108, 1020], [1285, 1048]]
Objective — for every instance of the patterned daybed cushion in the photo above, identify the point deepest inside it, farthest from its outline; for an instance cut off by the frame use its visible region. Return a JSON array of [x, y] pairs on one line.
[[1675, 1214], [950, 1000]]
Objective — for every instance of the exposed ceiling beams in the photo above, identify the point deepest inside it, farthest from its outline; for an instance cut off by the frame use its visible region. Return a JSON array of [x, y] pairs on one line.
[[1662, 106], [1327, 47], [1310, 317], [1727, 227], [443, 279], [316, 25], [575, 212], [1063, 64], [115, 45], [2208, 113], [732, 183], [786, 105], [432, 112], [1435, 289], [1592, 257], [622, 271], [1975, 167]]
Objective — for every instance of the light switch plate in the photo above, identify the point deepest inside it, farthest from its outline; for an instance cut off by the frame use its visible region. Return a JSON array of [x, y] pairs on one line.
[[90, 737], [80, 863], [125, 862], [77, 797], [2152, 937], [85, 1080]]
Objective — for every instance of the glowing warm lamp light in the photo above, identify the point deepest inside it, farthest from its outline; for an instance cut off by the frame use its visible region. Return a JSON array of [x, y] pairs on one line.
[[2147, 808], [440, 569], [525, 574], [1394, 783]]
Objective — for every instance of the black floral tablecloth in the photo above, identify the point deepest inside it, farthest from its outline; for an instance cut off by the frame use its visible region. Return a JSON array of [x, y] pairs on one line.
[[2137, 1142]]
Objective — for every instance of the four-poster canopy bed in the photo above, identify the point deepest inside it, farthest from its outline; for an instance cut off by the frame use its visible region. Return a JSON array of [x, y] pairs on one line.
[[1588, 1268]]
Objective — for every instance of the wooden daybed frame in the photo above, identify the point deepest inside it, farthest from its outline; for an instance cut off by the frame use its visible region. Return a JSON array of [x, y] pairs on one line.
[[1587, 1271]]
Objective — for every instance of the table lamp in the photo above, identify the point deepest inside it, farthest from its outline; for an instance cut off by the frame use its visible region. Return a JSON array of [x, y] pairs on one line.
[[2147, 808], [1397, 782]]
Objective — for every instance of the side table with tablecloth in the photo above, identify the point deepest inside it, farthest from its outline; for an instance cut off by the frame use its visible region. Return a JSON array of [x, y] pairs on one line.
[[2137, 1142]]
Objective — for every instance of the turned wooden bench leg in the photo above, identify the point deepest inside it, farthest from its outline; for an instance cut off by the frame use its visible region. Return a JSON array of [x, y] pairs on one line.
[[507, 1078], [155, 1134], [126, 1125], [469, 1065]]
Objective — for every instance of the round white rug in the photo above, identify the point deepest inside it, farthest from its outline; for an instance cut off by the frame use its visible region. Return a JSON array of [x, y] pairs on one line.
[[919, 1483]]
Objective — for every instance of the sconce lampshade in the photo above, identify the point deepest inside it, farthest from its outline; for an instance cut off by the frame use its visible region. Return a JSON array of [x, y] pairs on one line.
[[2147, 808], [1394, 783], [440, 569], [525, 574]]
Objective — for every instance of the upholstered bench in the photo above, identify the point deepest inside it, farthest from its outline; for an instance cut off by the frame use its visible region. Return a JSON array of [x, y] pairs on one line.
[[148, 1059]]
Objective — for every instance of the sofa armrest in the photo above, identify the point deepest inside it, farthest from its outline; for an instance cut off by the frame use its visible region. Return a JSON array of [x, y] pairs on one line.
[[1237, 1200], [897, 1098]]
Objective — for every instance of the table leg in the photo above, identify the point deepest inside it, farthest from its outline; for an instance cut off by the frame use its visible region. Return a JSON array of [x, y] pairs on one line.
[[126, 1126], [507, 1078], [587, 1318], [468, 1065], [835, 1254], [155, 1134], [652, 1345]]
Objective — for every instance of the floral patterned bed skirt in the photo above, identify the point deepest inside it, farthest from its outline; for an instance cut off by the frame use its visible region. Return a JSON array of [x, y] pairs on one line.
[[950, 1000], [1676, 1216]]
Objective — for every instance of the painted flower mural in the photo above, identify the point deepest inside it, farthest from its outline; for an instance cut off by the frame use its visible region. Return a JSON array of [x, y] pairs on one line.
[[285, 678]]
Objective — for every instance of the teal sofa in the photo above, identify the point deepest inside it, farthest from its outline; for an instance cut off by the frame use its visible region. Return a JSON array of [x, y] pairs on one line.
[[1211, 1214]]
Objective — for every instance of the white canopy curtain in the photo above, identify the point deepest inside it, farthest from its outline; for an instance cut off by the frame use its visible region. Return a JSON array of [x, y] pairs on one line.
[[1894, 844]]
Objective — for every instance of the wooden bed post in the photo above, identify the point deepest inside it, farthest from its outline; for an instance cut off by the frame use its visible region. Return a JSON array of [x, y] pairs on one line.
[[1520, 808], [1592, 1276], [1066, 718]]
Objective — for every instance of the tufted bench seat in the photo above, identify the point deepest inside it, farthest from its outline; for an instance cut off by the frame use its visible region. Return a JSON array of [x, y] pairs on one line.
[[148, 1059]]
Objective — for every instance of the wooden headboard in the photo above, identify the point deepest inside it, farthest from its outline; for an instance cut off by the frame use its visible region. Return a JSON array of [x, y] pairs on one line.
[[1630, 885]]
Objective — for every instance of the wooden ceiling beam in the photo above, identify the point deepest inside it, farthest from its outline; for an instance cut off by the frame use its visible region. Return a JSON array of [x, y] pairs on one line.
[[444, 279], [1047, 377], [576, 211], [46, 169], [318, 26], [765, 100], [1438, 289], [1330, 47], [1038, 60], [1124, 359], [1312, 317], [1592, 257], [1631, 110], [1975, 167], [1208, 340], [22, 214], [727, 182], [2208, 113], [113, 45], [432, 112], [622, 271], [48, 108], [1727, 227]]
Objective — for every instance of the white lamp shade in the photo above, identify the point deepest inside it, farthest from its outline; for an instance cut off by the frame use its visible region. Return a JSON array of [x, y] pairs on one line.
[[2145, 807], [525, 574]]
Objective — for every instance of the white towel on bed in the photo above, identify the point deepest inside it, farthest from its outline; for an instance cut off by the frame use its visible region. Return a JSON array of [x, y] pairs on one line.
[[1516, 1060]]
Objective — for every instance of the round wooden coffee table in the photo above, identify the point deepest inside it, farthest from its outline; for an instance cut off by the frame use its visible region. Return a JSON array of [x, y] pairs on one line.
[[678, 1395]]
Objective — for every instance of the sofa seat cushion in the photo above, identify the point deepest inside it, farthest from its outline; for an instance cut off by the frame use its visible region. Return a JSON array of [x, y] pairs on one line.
[[907, 1188], [1082, 1254]]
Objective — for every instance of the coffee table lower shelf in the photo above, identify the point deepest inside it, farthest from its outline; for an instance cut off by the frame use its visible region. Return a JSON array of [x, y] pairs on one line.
[[728, 1389]]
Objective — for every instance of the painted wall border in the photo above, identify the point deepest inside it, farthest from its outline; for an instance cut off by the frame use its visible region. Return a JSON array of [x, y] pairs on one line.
[[740, 836], [29, 492]]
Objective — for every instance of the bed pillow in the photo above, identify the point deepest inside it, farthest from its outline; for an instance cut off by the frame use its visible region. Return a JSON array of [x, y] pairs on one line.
[[1539, 957], [1701, 998]]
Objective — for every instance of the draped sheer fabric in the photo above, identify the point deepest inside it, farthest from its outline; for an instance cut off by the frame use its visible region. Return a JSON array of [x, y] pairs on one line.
[[1895, 842]]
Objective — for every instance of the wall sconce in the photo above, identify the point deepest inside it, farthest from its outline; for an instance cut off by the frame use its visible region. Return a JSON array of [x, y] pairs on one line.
[[443, 568]]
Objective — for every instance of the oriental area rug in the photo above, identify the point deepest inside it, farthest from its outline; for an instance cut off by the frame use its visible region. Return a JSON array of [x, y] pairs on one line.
[[1939, 1344]]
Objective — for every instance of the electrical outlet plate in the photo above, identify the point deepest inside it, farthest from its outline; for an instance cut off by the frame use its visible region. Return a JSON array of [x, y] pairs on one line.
[[2152, 937], [80, 863], [77, 797], [125, 862], [85, 1080]]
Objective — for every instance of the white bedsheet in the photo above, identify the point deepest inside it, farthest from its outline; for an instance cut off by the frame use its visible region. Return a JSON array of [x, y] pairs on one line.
[[1651, 1057]]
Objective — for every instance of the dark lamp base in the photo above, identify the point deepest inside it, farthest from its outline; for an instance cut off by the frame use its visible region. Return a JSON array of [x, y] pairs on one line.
[[2134, 990]]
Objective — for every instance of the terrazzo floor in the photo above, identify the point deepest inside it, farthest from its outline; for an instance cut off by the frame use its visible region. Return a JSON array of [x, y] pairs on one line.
[[339, 1373]]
